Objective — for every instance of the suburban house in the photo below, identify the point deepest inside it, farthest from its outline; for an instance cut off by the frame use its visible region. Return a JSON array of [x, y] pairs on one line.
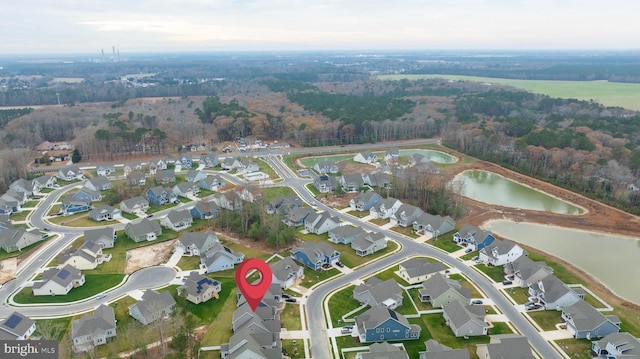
[[473, 237], [228, 200], [439, 291], [105, 170], [93, 330], [383, 350], [314, 255], [351, 182], [552, 293], [209, 160], [205, 210], [70, 205], [324, 183], [219, 258], [617, 346], [45, 181], [417, 270], [152, 306], [70, 173], [436, 225], [465, 320], [375, 292], [297, 216], [160, 195], [366, 157], [320, 223], [194, 176], [136, 179], [17, 327], [523, 271], [505, 346], [177, 220], [131, 167], [406, 215], [270, 299], [392, 154], [105, 213], [212, 183], [143, 230], [195, 243], [88, 256], [29, 187], [186, 189], [435, 350], [100, 183], [326, 167], [135, 205], [283, 204], [86, 194], [104, 236], [256, 333], [248, 167], [159, 164], [364, 201], [385, 208], [345, 234], [286, 273], [165, 177], [501, 252], [56, 281], [7, 207], [369, 243], [229, 163], [199, 289], [381, 323], [378, 179], [16, 239], [185, 159], [585, 322]]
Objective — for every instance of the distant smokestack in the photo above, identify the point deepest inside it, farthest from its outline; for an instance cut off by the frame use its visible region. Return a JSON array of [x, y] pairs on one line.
[[113, 48], [103, 53]]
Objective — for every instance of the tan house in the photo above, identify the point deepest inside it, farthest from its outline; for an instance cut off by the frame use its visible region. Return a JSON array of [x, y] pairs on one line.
[[199, 289], [57, 281], [87, 257]]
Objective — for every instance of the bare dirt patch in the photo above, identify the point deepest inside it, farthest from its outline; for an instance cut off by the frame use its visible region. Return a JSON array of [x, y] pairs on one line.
[[148, 256], [8, 269]]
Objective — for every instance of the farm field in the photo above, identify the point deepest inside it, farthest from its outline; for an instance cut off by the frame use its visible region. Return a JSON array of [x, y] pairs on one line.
[[607, 93]]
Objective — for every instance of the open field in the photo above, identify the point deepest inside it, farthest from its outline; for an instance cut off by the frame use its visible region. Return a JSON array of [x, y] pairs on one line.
[[607, 93]]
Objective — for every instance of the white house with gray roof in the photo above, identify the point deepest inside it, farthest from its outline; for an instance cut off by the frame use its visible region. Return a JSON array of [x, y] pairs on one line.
[[88, 256], [385, 208], [177, 220], [219, 258], [135, 205], [345, 234], [105, 213], [143, 230], [369, 243], [92, 330], [524, 271], [100, 183], [105, 169], [617, 346], [16, 239], [326, 167], [505, 346], [351, 182], [435, 225], [417, 270], [165, 177], [196, 243], [375, 292], [320, 223], [104, 236], [585, 322], [152, 306], [286, 273], [186, 189], [406, 215], [553, 294], [199, 289], [364, 201], [17, 327], [501, 252], [367, 157], [465, 320], [439, 291], [58, 281]]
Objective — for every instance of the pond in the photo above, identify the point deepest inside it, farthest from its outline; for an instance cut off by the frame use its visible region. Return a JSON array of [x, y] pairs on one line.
[[612, 259], [492, 188]]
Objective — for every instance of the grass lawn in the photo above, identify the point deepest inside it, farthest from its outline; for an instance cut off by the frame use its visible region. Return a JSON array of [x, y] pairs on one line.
[[441, 332], [273, 192], [311, 161], [293, 350], [406, 307], [520, 295], [95, 283], [47, 190], [416, 298], [19, 216], [206, 312], [312, 277], [445, 243], [389, 273], [359, 214], [500, 328], [30, 204], [607, 93], [593, 301], [52, 329], [248, 251], [265, 168], [25, 251], [189, 262], [220, 329], [80, 220], [205, 193], [313, 190], [379, 221], [342, 303], [290, 317], [495, 273], [468, 256], [129, 216], [546, 319], [407, 231], [466, 284], [576, 348]]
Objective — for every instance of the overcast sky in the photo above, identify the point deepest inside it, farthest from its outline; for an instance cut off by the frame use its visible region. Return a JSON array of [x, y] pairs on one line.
[[87, 26]]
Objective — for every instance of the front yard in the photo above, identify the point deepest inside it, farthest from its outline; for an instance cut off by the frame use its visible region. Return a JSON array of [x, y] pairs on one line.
[[94, 284]]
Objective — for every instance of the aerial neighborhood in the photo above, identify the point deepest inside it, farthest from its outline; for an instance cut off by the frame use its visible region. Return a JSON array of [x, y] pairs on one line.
[[426, 284]]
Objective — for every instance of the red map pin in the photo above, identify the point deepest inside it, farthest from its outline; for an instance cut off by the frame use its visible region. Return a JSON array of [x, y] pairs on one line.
[[253, 293]]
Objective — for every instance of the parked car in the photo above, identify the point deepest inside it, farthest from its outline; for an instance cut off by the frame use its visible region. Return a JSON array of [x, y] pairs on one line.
[[468, 250], [477, 301], [475, 258], [100, 296], [286, 296], [339, 264], [507, 282], [149, 215], [46, 229], [291, 300], [347, 329]]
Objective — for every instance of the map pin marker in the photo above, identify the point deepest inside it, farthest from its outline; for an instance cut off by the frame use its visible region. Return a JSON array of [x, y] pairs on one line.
[[253, 293]]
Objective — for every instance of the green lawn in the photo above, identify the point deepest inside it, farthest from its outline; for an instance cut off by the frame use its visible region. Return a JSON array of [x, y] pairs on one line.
[[273, 192], [129, 216], [189, 262], [19, 216], [604, 92], [312, 277], [265, 168], [416, 298], [80, 220], [359, 214], [52, 329], [445, 243], [342, 303], [94, 284], [466, 284], [313, 190], [220, 329], [206, 312], [520, 295], [576, 348], [290, 317], [249, 252], [293, 350], [30, 204], [407, 231], [500, 328], [407, 306], [25, 251], [438, 330], [379, 221], [546, 319], [311, 161], [495, 273]]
